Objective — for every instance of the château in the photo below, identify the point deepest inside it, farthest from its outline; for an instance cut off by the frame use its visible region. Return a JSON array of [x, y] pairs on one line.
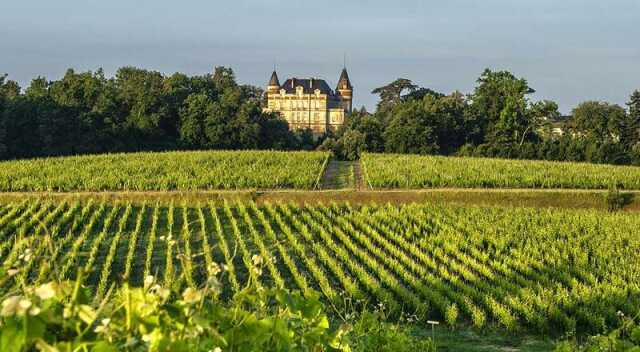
[[310, 102]]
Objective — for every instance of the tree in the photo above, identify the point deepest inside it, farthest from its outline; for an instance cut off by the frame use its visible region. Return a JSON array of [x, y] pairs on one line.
[[197, 108], [235, 121], [631, 129], [512, 125], [41, 126], [542, 114], [370, 126], [497, 91], [420, 93], [431, 124], [176, 89], [275, 133], [448, 115], [601, 128], [85, 112], [352, 144], [3, 133], [305, 139], [224, 78], [91, 112], [246, 127], [140, 93], [9, 89], [217, 129], [411, 130], [21, 122], [599, 122], [391, 94], [3, 125]]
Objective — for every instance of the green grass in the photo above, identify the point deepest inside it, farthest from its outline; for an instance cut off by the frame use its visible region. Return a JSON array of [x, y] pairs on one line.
[[338, 175], [467, 340], [568, 199]]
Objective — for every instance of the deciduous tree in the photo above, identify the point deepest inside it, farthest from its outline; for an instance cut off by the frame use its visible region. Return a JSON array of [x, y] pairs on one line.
[[497, 107], [3, 125], [193, 114], [599, 121], [391, 94], [631, 131]]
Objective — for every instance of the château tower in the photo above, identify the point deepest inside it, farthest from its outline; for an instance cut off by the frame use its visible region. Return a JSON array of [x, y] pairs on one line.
[[345, 90], [274, 84]]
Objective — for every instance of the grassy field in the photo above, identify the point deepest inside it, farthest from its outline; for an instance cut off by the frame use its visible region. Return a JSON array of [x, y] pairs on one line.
[[413, 171], [199, 170], [516, 269], [536, 198]]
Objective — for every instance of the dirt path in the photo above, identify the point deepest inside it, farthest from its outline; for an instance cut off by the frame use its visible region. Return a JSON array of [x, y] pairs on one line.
[[338, 175], [359, 178], [583, 199]]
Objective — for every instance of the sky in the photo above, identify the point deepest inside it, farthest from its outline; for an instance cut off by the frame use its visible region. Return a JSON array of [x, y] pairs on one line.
[[569, 50]]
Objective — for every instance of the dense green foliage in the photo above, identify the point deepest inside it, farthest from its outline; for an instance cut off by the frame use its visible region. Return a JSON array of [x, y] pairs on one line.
[[64, 317], [626, 338], [413, 171], [496, 120], [134, 111], [552, 271], [141, 110], [198, 170]]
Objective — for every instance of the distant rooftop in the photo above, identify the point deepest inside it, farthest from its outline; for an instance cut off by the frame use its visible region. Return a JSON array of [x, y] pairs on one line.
[[309, 84]]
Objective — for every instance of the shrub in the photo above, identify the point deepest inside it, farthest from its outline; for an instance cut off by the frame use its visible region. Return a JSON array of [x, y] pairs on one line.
[[372, 333], [616, 200], [451, 315], [625, 338]]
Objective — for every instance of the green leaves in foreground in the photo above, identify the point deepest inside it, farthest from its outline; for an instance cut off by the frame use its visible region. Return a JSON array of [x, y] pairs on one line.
[[62, 317], [626, 338]]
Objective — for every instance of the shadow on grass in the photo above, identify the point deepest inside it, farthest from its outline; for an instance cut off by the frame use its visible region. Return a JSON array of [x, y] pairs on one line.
[[469, 340]]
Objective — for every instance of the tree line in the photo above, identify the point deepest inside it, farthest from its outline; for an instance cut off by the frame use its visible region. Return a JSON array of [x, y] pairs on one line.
[[140, 110], [498, 119], [137, 110]]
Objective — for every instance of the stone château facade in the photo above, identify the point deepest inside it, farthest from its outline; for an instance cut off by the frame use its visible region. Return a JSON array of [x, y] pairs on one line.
[[310, 103]]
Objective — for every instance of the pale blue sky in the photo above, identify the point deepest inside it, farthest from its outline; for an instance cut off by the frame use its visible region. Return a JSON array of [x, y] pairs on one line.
[[569, 50]]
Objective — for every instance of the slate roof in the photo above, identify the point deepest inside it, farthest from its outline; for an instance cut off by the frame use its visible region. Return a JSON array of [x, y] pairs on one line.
[[344, 79], [309, 85], [274, 79]]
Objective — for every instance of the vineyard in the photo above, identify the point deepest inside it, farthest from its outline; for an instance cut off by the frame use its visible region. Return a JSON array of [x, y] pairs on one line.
[[200, 170], [413, 171], [520, 269]]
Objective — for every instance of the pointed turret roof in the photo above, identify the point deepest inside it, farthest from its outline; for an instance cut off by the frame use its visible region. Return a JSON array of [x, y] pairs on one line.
[[344, 80], [274, 79]]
